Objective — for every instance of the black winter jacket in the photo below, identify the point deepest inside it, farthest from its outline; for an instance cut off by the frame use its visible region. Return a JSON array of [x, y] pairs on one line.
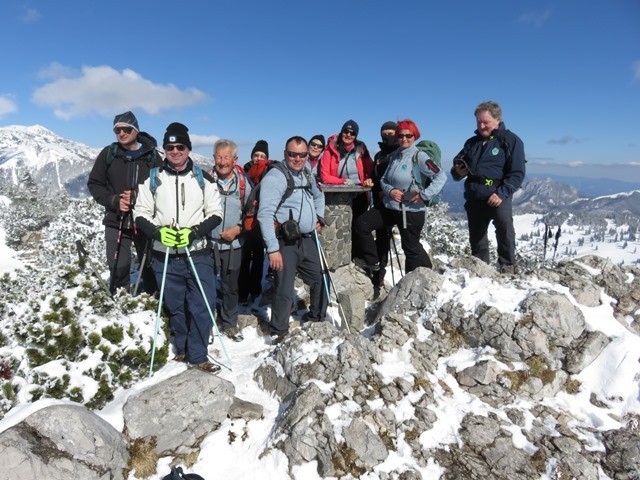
[[107, 181], [492, 169]]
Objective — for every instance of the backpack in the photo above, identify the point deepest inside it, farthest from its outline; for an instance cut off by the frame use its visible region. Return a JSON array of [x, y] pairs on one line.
[[154, 180], [242, 180], [434, 163], [250, 211]]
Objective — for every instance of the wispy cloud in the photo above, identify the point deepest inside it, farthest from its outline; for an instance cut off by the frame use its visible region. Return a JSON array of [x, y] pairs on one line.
[[565, 140], [57, 70], [105, 91], [537, 19], [31, 15], [7, 105], [636, 70], [203, 140]]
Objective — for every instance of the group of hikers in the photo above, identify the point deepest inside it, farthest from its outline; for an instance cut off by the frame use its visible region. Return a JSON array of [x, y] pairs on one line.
[[199, 229]]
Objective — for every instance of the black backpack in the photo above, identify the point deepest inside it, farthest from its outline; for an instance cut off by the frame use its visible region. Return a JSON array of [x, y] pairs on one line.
[[177, 474], [250, 210]]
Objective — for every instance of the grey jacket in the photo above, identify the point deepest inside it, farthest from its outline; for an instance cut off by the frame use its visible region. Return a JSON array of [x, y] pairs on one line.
[[232, 206], [305, 204], [399, 175]]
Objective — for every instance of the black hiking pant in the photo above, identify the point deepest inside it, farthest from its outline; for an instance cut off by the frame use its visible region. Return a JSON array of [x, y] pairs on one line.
[[122, 270], [380, 217], [479, 215]]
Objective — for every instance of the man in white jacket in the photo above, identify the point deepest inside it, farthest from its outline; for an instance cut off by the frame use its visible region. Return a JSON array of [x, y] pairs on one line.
[[177, 207]]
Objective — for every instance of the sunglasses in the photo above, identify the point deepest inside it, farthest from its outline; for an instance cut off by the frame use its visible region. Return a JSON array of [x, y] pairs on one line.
[[170, 148], [405, 135], [119, 130], [316, 145], [349, 133], [297, 154]]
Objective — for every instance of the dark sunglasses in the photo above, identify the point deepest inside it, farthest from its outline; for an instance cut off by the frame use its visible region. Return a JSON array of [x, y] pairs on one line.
[[405, 135], [316, 145], [118, 130], [348, 132], [297, 154], [170, 148]]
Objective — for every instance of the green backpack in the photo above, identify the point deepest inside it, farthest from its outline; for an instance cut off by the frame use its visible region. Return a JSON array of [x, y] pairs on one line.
[[434, 163]]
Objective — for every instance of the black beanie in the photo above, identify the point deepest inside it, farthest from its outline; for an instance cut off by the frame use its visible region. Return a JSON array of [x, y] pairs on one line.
[[261, 146], [177, 133], [389, 126], [319, 137], [127, 119], [351, 125]]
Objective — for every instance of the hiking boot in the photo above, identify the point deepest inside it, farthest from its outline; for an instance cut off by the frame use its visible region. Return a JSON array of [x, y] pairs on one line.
[[208, 367], [508, 269], [233, 333], [360, 263], [278, 338], [180, 357], [308, 318]]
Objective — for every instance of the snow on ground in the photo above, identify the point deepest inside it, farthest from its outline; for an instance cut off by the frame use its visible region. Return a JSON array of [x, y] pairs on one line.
[[239, 450]]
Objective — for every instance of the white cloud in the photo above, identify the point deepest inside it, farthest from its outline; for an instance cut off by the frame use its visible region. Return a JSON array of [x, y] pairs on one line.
[[537, 19], [104, 90], [57, 70], [7, 105], [203, 140], [31, 15], [636, 70]]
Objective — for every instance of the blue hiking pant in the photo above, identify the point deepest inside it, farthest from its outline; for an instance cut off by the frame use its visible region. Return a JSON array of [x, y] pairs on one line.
[[189, 318]]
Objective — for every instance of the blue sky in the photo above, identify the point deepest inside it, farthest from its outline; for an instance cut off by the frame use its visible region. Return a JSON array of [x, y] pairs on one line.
[[566, 73]]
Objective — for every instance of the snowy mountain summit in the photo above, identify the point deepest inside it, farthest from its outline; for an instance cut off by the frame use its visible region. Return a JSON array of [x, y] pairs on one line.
[[37, 156]]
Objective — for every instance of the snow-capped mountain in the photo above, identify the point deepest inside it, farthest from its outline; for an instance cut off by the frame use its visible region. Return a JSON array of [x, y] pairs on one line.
[[37, 156], [53, 163]]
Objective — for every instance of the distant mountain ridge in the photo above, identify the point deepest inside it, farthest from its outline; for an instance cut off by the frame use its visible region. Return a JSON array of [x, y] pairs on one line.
[[37, 156], [54, 164]]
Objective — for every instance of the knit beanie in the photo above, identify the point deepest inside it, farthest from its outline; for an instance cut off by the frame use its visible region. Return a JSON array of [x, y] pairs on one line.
[[261, 146], [320, 138], [351, 125], [177, 133], [126, 119], [389, 126]]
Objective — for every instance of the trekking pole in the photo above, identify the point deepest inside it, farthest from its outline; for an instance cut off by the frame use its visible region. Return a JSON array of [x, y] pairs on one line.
[[547, 229], [325, 270], [206, 302], [83, 256], [393, 276], [155, 332], [142, 264], [133, 177], [395, 249], [555, 247], [335, 290], [116, 256]]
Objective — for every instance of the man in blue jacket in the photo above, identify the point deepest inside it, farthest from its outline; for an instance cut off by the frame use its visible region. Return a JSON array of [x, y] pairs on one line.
[[287, 224], [493, 163]]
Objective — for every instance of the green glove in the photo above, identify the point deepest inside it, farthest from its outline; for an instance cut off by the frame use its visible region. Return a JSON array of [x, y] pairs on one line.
[[184, 238], [168, 236]]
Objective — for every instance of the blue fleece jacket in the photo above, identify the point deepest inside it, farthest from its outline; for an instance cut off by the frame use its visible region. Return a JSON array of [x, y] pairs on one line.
[[400, 175], [305, 204]]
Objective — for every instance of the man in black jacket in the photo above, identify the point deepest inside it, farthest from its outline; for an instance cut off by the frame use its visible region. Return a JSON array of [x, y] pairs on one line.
[[113, 183], [492, 162]]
